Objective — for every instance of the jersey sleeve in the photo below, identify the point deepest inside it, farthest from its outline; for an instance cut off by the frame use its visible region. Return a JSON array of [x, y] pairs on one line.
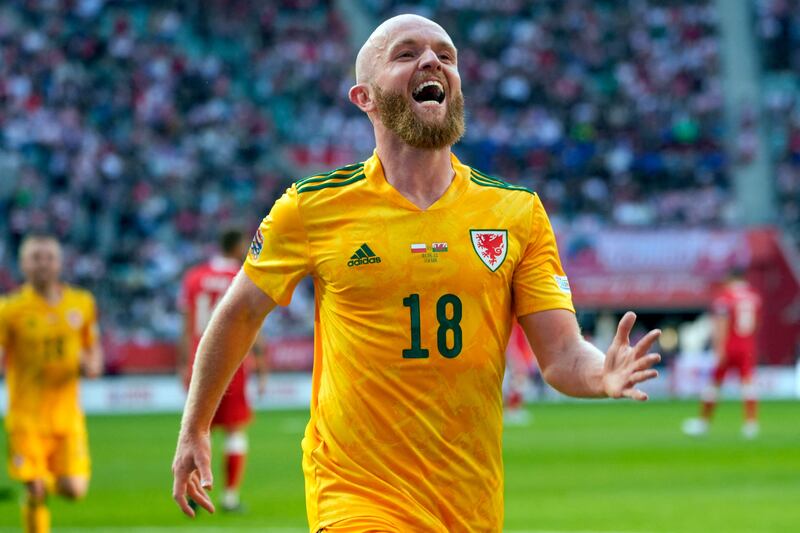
[[539, 282], [279, 257]]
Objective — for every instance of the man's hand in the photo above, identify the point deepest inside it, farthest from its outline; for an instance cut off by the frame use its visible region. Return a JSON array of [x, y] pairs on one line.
[[92, 363], [191, 471], [626, 366]]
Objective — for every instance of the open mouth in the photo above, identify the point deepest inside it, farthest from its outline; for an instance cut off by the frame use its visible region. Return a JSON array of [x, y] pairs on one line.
[[429, 91]]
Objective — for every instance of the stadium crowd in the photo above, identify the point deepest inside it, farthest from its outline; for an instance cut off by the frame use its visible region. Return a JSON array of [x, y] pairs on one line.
[[778, 29], [135, 130], [612, 110]]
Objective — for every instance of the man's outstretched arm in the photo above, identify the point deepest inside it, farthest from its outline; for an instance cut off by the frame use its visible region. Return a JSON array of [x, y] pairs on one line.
[[228, 337], [576, 368], [720, 324]]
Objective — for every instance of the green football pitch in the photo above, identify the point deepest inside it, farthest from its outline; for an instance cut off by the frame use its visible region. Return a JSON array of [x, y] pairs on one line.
[[577, 467]]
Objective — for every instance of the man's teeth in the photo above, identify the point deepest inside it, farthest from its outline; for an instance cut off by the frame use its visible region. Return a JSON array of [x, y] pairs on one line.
[[428, 84]]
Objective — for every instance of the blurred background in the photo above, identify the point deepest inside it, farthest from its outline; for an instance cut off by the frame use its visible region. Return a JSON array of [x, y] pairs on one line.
[[663, 137]]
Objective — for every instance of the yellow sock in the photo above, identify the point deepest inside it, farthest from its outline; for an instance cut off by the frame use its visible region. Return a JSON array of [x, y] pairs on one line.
[[35, 517]]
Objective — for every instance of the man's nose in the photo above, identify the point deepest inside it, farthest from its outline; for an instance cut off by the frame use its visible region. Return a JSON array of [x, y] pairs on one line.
[[429, 60]]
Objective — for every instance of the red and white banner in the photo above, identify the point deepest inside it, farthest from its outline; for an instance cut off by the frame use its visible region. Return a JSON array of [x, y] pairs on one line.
[[129, 357], [663, 270]]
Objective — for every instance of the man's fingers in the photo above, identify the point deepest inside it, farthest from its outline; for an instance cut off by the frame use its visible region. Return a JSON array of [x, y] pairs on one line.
[[179, 492], [636, 394], [199, 495], [646, 342], [192, 483], [183, 503], [179, 495], [624, 329], [204, 470], [643, 375], [647, 361]]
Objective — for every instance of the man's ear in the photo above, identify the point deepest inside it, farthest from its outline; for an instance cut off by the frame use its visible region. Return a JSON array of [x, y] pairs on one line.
[[360, 95]]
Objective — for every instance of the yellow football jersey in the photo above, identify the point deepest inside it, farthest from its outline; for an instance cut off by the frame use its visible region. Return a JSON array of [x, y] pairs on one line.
[[43, 343], [413, 314]]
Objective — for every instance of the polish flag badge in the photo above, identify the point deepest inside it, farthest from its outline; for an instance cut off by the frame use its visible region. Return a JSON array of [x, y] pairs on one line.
[[419, 248]]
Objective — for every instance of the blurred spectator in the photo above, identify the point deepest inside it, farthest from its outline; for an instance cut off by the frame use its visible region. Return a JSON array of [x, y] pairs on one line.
[[778, 23], [612, 110], [778, 27], [133, 129]]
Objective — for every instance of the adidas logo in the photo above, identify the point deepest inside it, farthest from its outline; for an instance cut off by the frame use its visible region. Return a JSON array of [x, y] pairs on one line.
[[363, 256]]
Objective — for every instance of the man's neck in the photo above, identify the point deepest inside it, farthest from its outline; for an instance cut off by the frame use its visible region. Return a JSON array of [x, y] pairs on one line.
[[51, 292], [421, 176]]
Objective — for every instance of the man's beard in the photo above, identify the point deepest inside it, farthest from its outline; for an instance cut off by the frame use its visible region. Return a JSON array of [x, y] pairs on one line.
[[396, 114]]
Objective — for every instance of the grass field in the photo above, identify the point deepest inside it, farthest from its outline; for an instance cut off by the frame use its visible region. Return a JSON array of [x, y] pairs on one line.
[[578, 467]]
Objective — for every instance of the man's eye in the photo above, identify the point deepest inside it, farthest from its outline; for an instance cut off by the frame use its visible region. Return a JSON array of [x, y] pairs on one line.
[[405, 54]]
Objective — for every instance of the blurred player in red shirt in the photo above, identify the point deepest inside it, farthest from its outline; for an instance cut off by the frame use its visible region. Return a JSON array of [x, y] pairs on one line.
[[735, 312], [203, 286]]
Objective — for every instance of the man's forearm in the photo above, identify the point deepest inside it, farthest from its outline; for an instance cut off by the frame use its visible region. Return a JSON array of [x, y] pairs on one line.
[[578, 371], [97, 359], [92, 361], [223, 346], [569, 363], [719, 335]]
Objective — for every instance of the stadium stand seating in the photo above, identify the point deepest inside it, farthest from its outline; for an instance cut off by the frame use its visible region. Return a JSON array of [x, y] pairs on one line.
[[778, 29], [134, 129]]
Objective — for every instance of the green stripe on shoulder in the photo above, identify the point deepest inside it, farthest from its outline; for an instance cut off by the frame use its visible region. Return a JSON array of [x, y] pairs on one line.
[[329, 177], [488, 181], [343, 172], [487, 176], [353, 178]]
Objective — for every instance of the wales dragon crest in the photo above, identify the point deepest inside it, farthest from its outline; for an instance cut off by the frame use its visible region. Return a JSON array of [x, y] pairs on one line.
[[491, 245]]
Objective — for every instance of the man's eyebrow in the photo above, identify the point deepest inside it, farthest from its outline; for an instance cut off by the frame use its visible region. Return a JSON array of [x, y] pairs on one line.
[[414, 42]]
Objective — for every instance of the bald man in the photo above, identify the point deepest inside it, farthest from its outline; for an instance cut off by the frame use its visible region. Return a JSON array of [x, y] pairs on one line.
[[419, 263]]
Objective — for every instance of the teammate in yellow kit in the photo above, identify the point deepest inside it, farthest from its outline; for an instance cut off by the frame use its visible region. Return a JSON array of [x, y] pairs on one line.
[[419, 264], [48, 335]]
